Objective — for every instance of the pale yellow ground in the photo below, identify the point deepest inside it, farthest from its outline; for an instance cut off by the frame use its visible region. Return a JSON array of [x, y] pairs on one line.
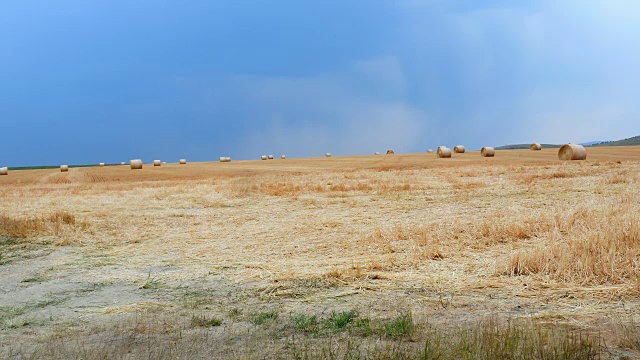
[[387, 232]]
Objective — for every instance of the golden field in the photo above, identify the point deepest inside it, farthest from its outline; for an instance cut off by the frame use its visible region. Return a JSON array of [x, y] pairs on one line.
[[117, 263]]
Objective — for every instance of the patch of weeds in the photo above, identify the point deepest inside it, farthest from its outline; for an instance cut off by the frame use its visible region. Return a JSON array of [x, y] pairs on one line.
[[339, 321], [197, 298], [263, 317], [8, 313], [16, 324], [400, 327], [50, 302], [204, 321], [8, 241], [33, 280], [305, 323], [364, 326], [235, 313], [151, 283]]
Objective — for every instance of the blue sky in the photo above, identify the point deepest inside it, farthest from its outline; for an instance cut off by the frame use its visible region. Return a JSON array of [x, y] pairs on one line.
[[108, 81]]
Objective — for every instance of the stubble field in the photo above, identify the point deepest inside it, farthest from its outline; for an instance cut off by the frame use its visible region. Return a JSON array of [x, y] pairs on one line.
[[388, 256]]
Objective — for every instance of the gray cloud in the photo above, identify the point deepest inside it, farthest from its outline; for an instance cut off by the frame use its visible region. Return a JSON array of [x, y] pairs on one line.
[[357, 111]]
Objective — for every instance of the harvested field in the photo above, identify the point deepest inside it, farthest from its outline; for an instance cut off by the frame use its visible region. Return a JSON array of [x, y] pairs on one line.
[[261, 259]]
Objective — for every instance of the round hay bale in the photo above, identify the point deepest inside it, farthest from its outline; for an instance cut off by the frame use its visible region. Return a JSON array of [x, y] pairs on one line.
[[164, 162], [327, 155], [572, 152], [263, 157], [390, 151], [227, 159], [444, 152], [157, 162], [135, 164], [282, 157], [458, 149], [123, 163], [270, 157], [429, 151], [377, 153], [64, 168], [535, 146], [487, 152], [183, 161], [4, 171], [101, 164], [222, 158]]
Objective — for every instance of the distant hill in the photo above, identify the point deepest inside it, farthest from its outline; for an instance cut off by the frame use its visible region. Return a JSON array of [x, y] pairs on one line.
[[525, 146], [591, 143], [626, 142]]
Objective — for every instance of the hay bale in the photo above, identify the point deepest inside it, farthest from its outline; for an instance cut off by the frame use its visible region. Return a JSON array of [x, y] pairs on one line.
[[263, 157], [535, 146], [270, 157], [429, 151], [572, 152], [282, 157], [135, 164], [487, 152], [377, 153], [327, 155], [222, 158], [458, 149], [123, 163], [227, 159], [4, 171], [64, 168], [183, 161], [443, 152], [164, 162], [101, 164], [157, 162], [390, 151]]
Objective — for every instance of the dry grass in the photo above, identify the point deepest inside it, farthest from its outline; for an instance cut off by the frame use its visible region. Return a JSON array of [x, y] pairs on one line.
[[24, 227], [598, 244], [523, 234]]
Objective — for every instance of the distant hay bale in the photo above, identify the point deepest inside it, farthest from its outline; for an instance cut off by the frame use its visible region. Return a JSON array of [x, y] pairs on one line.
[[227, 159], [270, 157], [429, 151], [263, 157], [282, 157], [183, 161], [157, 162], [4, 171], [487, 152], [390, 151], [101, 164], [535, 146], [123, 163], [458, 149], [64, 168], [164, 162], [222, 159], [327, 155], [572, 152], [377, 153], [444, 152], [135, 164]]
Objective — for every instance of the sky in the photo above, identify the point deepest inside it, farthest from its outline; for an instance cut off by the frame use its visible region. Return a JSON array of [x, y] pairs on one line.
[[84, 82]]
